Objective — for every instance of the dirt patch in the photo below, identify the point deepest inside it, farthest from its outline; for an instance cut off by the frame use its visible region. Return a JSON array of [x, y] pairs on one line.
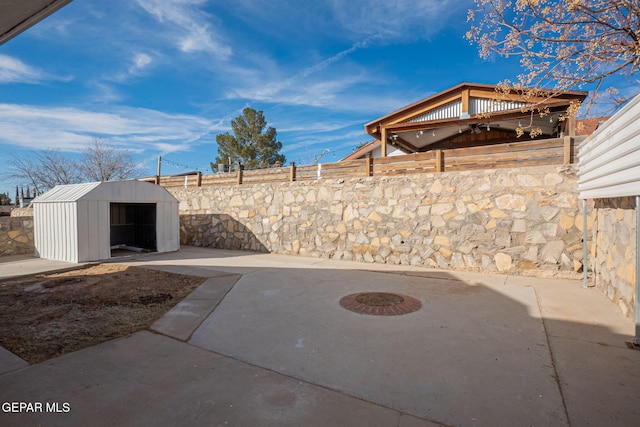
[[49, 315]]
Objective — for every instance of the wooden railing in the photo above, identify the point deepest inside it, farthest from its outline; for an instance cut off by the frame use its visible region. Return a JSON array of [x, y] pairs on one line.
[[509, 155]]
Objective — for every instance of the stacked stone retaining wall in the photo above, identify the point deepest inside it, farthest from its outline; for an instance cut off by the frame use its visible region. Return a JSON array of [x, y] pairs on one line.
[[16, 236], [525, 220], [615, 250], [22, 212]]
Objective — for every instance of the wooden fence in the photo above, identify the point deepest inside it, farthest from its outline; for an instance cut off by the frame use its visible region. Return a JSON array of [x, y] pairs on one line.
[[510, 155]]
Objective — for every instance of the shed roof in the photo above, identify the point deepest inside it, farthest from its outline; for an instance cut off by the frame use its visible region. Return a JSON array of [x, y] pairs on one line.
[[116, 191]]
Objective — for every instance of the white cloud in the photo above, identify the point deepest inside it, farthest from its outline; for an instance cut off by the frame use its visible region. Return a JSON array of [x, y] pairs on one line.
[[263, 92], [56, 27], [12, 70], [187, 25], [386, 20], [104, 93], [347, 137], [335, 82], [342, 93], [140, 61], [316, 94], [308, 86], [302, 126], [398, 19], [69, 129]]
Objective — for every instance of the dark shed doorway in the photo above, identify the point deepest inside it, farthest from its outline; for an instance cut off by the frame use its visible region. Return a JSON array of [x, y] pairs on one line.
[[133, 227]]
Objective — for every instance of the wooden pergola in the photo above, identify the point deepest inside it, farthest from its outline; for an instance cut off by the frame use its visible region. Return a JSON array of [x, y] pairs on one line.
[[472, 114]]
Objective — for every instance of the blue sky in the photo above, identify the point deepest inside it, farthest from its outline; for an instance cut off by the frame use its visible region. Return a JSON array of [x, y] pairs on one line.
[[163, 77]]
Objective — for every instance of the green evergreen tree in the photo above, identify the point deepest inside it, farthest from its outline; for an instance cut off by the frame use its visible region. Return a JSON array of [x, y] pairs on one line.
[[251, 145]]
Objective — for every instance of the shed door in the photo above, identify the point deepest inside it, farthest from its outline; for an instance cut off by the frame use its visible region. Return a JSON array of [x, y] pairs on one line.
[[134, 225]]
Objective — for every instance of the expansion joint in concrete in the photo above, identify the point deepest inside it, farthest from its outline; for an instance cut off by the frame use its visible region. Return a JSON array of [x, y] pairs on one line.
[[556, 376]]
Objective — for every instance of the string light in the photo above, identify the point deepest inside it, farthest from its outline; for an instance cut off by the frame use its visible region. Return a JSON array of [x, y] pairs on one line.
[[208, 168], [182, 166]]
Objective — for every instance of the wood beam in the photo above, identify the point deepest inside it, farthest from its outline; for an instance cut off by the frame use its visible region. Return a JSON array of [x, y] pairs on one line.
[[417, 111], [568, 146], [571, 126], [373, 130], [515, 97], [383, 142], [465, 102], [407, 145]]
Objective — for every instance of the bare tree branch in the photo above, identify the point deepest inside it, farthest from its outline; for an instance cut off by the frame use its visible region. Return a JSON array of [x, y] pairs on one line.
[[565, 45], [44, 170], [103, 162]]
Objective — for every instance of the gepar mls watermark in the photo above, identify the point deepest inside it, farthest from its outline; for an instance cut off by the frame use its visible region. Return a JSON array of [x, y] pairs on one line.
[[36, 407]]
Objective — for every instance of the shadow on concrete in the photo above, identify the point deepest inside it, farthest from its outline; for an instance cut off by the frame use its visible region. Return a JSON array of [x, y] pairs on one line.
[[218, 231], [278, 349]]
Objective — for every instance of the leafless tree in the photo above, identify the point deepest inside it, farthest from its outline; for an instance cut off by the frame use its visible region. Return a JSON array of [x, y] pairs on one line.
[[562, 45], [44, 170], [103, 162]]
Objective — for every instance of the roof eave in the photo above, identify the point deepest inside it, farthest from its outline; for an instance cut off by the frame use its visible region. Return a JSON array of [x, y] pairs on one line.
[[20, 22], [368, 147], [371, 127]]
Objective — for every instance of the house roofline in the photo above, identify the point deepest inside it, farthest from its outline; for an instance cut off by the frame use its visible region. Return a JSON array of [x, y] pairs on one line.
[[464, 85], [369, 146]]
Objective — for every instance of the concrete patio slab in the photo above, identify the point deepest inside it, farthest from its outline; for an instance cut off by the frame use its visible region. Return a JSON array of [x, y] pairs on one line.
[[272, 346], [10, 362], [436, 363], [600, 383], [148, 379], [576, 313], [232, 262], [22, 265]]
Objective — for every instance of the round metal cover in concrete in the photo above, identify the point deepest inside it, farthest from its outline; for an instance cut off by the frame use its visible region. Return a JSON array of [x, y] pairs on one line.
[[380, 303]]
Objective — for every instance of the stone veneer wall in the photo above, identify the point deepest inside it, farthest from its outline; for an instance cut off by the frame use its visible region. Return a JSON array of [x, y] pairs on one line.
[[615, 250], [525, 220], [16, 236], [22, 212]]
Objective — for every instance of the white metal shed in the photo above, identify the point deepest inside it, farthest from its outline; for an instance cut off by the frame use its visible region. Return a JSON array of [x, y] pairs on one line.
[[85, 222]]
